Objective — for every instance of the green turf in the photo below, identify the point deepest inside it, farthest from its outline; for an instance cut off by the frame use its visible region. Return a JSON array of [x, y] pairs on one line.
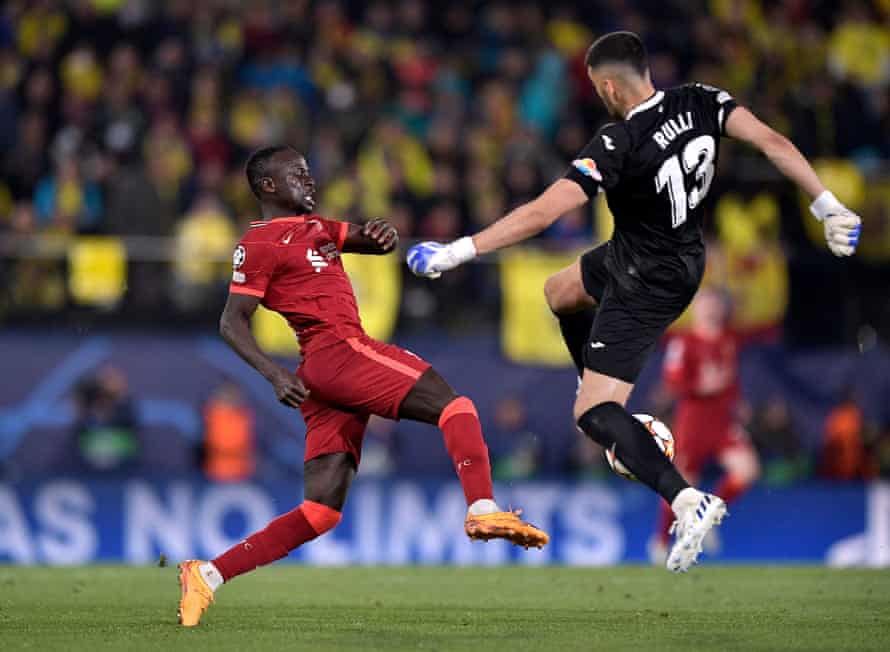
[[474, 609]]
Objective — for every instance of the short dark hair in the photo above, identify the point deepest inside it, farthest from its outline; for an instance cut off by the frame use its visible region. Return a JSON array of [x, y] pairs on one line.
[[618, 47], [256, 165]]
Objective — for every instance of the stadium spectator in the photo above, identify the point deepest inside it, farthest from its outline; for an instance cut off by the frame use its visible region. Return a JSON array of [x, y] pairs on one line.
[[783, 457], [67, 202], [843, 450], [203, 241], [24, 164], [134, 205], [229, 447], [107, 426], [522, 458], [170, 163]]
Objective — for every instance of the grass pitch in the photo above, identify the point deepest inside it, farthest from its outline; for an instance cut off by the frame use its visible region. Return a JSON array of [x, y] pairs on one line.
[[473, 609]]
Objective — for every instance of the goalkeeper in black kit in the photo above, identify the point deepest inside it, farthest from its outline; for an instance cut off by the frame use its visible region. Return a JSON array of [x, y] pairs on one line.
[[655, 163]]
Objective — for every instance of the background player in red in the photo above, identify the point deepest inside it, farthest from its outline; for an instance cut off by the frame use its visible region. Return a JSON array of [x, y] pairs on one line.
[[701, 371], [290, 262]]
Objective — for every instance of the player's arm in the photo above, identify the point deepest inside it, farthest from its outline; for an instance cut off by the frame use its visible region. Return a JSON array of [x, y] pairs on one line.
[[376, 237], [842, 226], [430, 259], [234, 327], [686, 375], [597, 168], [529, 219], [678, 374]]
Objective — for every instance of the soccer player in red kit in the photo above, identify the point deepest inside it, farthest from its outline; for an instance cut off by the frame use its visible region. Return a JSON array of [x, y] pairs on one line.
[[701, 371], [290, 263]]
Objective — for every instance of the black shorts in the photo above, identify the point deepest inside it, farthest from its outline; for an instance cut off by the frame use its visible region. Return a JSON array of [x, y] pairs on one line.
[[630, 319]]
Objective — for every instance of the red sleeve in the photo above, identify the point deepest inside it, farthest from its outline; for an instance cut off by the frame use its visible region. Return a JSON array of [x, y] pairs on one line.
[[679, 366], [337, 230], [252, 266]]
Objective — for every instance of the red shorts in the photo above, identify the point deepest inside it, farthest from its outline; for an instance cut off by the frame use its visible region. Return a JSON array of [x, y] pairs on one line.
[[349, 380], [697, 447]]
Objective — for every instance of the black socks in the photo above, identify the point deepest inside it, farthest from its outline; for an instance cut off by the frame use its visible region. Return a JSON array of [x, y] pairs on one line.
[[576, 327], [609, 423]]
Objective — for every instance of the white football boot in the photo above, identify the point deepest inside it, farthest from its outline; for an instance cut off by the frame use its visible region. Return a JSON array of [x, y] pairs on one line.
[[696, 513]]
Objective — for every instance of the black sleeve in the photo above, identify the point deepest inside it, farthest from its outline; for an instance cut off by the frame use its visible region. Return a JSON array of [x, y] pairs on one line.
[[599, 164], [719, 103]]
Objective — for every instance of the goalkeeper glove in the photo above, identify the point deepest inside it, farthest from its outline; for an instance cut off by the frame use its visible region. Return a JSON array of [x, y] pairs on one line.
[[842, 226], [430, 259]]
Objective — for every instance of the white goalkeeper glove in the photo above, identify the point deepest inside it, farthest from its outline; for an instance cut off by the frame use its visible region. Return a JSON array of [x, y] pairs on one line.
[[430, 259], [842, 226]]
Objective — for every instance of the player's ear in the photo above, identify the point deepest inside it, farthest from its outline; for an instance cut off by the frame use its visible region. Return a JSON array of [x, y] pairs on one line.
[[604, 88], [267, 185]]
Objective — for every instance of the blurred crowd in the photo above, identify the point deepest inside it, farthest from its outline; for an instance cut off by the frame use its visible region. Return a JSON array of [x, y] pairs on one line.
[[135, 117], [106, 437], [847, 448]]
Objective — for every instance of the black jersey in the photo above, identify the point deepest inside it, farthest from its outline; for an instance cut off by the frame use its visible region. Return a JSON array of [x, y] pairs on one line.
[[656, 167]]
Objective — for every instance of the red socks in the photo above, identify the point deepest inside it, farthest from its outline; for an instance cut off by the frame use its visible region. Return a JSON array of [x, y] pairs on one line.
[[282, 535], [463, 439]]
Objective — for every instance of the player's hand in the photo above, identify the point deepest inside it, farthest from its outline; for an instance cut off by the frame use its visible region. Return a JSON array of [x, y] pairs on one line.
[[714, 378], [842, 232], [430, 259], [381, 232], [289, 389], [842, 226]]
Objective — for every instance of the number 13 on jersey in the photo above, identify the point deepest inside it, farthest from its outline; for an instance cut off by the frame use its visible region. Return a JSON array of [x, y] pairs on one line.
[[697, 163]]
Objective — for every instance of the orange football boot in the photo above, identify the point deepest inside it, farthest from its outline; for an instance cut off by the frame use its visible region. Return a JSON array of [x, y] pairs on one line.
[[505, 525], [196, 595]]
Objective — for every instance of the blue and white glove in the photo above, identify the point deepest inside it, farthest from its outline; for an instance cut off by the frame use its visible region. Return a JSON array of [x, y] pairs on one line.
[[430, 259], [842, 226]]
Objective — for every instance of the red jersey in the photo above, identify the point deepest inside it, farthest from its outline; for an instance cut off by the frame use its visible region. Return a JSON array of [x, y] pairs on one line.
[[293, 264], [703, 375]]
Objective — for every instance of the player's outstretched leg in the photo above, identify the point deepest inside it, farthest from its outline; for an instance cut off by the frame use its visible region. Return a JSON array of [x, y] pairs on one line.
[[326, 483], [574, 309], [432, 400], [601, 416]]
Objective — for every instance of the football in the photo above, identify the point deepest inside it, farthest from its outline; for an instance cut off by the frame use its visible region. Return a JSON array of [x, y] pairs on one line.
[[659, 431]]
